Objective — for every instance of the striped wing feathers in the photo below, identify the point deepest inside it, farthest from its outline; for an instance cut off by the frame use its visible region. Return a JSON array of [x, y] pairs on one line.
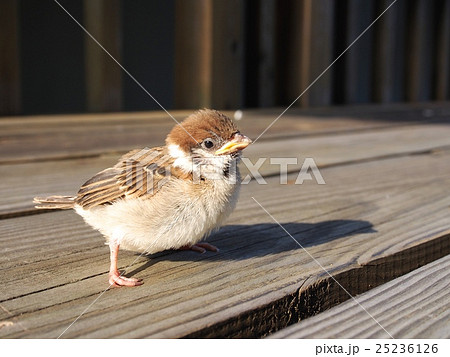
[[139, 173]]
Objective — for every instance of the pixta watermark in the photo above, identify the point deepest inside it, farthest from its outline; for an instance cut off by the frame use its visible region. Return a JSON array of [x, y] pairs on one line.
[[148, 170], [306, 172]]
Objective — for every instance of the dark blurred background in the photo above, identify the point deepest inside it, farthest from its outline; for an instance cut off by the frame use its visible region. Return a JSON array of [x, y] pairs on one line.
[[225, 54]]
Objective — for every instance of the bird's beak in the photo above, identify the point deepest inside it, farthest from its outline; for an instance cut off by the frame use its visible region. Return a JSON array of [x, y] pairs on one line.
[[237, 142]]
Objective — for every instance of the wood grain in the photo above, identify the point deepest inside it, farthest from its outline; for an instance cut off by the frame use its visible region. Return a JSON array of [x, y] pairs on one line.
[[415, 305], [381, 214], [53, 266]]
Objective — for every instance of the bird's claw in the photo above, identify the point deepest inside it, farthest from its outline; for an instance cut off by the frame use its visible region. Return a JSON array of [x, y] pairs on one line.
[[201, 247], [116, 279]]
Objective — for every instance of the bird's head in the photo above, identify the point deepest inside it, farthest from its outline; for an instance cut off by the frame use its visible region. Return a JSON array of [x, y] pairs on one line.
[[206, 140]]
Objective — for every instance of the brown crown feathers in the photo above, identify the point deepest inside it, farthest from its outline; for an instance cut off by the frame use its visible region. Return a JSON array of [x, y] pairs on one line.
[[205, 123]]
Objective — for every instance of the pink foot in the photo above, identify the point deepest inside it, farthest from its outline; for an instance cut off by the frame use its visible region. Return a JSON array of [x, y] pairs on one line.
[[200, 247], [116, 279]]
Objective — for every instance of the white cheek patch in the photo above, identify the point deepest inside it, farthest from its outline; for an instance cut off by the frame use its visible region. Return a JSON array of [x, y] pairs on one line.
[[175, 151], [182, 161]]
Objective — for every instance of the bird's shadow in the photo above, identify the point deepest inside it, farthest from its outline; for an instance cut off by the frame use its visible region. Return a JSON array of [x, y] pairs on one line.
[[240, 242]]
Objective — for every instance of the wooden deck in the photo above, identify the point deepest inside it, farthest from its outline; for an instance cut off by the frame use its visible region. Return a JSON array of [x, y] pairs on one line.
[[383, 213], [412, 306]]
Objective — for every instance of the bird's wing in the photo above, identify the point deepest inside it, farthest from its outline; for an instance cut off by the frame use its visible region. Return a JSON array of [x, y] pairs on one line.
[[139, 173]]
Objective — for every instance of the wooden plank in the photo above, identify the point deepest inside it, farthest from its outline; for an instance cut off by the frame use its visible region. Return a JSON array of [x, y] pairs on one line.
[[442, 74], [358, 60], [227, 82], [193, 72], [148, 52], [390, 53], [346, 148], [52, 57], [47, 178], [209, 54], [9, 59], [419, 83], [371, 222], [103, 75], [289, 85], [416, 305], [317, 23], [55, 137], [302, 58], [266, 53], [65, 177]]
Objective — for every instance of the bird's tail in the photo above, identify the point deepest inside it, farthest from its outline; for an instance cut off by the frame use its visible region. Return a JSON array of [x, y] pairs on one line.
[[55, 202]]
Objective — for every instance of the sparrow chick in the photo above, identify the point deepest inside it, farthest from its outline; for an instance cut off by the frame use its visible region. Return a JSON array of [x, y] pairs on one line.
[[168, 197]]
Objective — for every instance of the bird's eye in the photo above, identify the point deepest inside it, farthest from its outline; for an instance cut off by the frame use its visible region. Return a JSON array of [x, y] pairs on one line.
[[208, 143]]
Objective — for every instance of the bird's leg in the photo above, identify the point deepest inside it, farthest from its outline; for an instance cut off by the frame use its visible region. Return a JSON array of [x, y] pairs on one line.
[[200, 247], [115, 278]]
